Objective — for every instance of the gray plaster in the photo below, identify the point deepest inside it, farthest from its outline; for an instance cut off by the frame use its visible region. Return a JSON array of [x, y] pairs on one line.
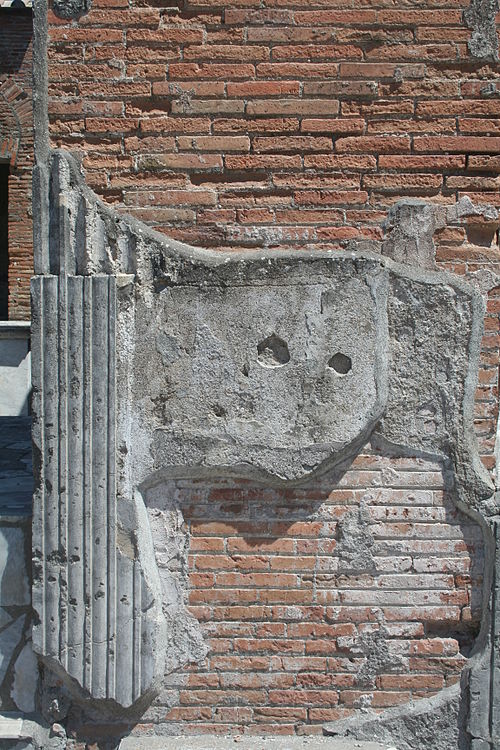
[[171, 543], [285, 408], [355, 542], [480, 18], [409, 230]]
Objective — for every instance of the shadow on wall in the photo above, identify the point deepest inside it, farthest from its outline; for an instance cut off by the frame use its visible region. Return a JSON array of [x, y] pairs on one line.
[[12, 55], [18, 666]]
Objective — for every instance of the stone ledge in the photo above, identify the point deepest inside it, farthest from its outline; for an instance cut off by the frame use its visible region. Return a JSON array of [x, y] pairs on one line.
[[12, 727], [213, 742], [15, 329]]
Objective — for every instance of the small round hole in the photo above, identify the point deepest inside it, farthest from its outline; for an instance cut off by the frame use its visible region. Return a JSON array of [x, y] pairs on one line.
[[341, 363], [273, 352]]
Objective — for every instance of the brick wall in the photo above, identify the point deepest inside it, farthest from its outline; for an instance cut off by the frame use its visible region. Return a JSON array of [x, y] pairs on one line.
[[321, 601], [16, 148], [274, 124], [316, 602]]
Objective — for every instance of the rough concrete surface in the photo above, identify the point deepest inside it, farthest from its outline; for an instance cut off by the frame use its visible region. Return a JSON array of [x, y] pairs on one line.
[[480, 18]]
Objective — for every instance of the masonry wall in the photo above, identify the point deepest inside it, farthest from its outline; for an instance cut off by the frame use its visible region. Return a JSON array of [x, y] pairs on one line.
[[318, 602], [282, 125], [16, 149]]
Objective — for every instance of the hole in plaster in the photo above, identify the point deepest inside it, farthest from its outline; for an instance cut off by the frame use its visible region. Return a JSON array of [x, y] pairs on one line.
[[219, 410], [341, 363], [273, 352]]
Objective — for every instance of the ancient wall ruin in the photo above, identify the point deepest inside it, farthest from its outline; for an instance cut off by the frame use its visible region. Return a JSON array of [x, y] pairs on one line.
[[260, 502]]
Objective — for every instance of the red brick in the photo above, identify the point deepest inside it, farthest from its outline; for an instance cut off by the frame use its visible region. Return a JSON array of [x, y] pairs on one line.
[[457, 144], [215, 72], [292, 107], [336, 17], [301, 144], [373, 144], [263, 88], [317, 52], [345, 126], [227, 52]]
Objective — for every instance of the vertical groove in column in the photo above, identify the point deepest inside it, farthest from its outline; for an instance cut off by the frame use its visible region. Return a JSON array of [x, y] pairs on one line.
[[62, 377], [124, 629], [111, 490], [38, 358], [87, 481], [100, 345], [76, 480], [136, 642], [50, 460], [90, 586]]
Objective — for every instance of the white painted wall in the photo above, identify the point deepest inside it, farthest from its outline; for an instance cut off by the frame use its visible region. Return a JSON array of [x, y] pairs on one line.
[[15, 367]]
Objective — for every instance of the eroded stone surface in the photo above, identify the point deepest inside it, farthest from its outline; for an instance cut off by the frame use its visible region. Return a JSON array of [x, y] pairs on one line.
[[436, 723]]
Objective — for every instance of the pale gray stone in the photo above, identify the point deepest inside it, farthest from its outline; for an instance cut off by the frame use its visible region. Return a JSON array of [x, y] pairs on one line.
[[434, 722], [247, 743]]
